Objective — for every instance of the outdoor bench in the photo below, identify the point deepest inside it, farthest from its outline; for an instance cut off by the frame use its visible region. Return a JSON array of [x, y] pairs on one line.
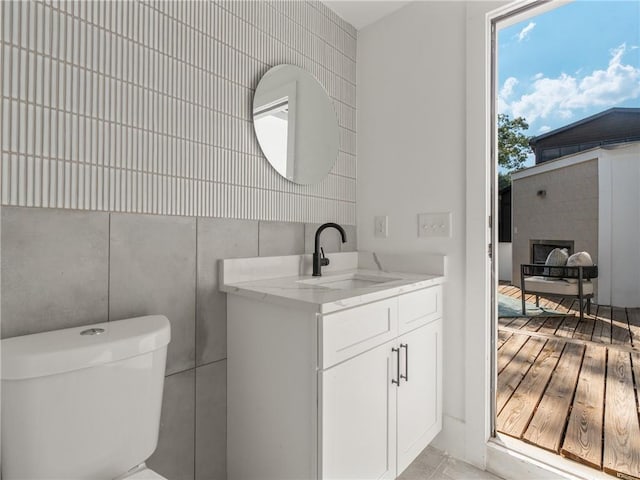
[[558, 281]]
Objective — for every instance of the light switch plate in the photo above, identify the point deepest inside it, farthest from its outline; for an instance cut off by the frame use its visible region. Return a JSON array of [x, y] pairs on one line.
[[434, 224], [381, 226]]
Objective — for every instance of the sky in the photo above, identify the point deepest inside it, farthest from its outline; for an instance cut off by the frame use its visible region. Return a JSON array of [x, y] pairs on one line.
[[569, 63]]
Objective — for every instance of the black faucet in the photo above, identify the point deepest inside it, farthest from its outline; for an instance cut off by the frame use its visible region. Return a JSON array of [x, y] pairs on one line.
[[318, 260]]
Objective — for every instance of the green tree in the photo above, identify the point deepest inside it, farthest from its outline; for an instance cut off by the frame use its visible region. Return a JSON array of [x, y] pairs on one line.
[[513, 146]]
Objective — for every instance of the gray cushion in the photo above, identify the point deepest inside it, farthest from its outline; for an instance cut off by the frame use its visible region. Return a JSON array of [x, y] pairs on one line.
[[558, 258], [579, 259]]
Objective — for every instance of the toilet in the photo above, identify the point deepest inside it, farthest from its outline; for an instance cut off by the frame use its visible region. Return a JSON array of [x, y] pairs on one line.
[[84, 403]]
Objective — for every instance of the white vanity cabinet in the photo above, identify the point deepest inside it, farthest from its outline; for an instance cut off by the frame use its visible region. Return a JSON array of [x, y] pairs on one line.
[[351, 394], [419, 396], [358, 417], [420, 392]]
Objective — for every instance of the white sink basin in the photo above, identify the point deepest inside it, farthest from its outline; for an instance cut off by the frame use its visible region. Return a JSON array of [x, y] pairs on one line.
[[348, 281]]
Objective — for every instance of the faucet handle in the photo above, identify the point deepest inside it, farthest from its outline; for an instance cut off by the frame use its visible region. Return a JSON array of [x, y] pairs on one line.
[[324, 261]]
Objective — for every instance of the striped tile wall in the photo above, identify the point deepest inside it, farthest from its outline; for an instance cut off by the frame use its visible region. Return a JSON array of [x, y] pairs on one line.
[[146, 106]]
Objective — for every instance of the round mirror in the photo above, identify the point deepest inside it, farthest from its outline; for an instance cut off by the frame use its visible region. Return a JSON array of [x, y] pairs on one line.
[[295, 124]]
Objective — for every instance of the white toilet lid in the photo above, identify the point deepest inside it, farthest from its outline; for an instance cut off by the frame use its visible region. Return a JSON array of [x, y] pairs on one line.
[[145, 474]]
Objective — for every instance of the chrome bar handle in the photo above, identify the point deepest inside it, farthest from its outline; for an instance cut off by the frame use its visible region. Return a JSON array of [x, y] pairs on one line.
[[397, 379], [406, 361]]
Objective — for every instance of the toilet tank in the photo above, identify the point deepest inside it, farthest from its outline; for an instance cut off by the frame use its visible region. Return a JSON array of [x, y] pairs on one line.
[[82, 403]]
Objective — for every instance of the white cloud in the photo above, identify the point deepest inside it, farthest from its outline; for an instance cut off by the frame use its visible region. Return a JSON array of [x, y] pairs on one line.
[[507, 88], [566, 93], [544, 128], [524, 33]]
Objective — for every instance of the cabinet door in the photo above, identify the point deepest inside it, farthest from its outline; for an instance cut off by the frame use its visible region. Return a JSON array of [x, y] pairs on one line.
[[358, 417], [420, 394]]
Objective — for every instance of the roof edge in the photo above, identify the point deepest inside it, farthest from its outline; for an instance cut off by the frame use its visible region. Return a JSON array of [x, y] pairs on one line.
[[582, 121]]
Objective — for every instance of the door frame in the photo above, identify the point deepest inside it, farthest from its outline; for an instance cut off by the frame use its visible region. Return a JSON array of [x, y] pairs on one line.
[[506, 457]]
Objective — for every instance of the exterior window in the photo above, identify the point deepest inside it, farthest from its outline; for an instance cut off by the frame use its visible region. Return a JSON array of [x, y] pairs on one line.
[[550, 154]]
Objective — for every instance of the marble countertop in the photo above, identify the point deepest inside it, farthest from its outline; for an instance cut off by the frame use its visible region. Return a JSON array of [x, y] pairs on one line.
[[300, 291]]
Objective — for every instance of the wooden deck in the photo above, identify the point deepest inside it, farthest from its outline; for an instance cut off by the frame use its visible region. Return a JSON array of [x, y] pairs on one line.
[[572, 387]]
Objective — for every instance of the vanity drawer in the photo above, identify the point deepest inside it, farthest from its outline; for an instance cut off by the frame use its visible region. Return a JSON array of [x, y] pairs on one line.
[[350, 332], [419, 308]]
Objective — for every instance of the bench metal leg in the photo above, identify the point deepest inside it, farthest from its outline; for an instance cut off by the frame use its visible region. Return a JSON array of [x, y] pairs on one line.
[[537, 301], [581, 296], [582, 307], [522, 290]]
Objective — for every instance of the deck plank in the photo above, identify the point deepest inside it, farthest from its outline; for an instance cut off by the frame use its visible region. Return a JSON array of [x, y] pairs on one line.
[[633, 317], [622, 348], [534, 324], [511, 291], [583, 438], [567, 327], [602, 328], [550, 325], [548, 423], [550, 303], [584, 330], [567, 304], [519, 322], [635, 361], [504, 321], [509, 350], [515, 371], [502, 338], [620, 334], [515, 416], [621, 428]]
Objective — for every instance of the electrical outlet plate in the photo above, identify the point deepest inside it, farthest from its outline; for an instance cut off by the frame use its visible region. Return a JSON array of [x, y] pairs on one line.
[[434, 224], [381, 226]]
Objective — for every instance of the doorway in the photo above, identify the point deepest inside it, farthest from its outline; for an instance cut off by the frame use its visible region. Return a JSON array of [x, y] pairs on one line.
[[558, 372]]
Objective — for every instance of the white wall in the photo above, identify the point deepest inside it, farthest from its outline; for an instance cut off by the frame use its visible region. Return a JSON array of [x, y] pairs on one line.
[[411, 145], [422, 123], [619, 228], [504, 261]]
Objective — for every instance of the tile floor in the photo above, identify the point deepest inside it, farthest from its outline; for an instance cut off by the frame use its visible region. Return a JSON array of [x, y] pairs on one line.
[[433, 464]]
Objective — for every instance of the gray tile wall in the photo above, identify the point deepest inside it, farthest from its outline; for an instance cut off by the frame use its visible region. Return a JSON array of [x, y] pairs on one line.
[[217, 239], [174, 457], [55, 269], [279, 238], [63, 268], [157, 122], [153, 270]]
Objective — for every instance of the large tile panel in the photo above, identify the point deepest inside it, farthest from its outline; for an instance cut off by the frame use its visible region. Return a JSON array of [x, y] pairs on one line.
[[54, 269], [211, 421], [153, 271], [217, 239], [281, 238], [174, 456]]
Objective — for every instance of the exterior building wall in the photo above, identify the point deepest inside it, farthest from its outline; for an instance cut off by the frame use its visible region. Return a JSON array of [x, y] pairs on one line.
[[619, 229], [567, 211], [505, 261]]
